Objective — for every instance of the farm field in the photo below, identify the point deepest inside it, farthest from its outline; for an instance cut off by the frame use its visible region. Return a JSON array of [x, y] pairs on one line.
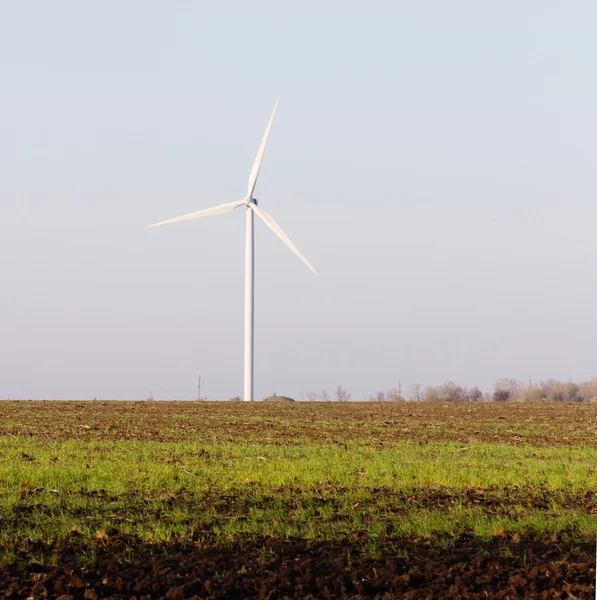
[[222, 499]]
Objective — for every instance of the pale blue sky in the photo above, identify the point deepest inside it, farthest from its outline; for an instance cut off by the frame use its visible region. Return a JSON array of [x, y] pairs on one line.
[[434, 161]]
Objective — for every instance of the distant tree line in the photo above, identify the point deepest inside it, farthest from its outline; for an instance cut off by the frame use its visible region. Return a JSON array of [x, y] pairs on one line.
[[504, 390], [513, 390]]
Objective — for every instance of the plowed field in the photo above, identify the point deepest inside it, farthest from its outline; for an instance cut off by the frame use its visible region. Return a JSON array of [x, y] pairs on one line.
[[303, 500]]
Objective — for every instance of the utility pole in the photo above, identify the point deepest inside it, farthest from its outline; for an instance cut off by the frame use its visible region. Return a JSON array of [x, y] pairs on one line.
[[199, 389], [399, 390], [530, 383]]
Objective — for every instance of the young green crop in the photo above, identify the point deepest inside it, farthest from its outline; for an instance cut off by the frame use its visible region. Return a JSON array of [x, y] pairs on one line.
[[312, 489]]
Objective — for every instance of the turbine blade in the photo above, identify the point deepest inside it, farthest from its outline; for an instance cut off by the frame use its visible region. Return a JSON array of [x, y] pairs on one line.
[[257, 164], [267, 219], [206, 212]]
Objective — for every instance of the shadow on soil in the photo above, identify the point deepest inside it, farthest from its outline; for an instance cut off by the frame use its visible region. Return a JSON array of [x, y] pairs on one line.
[[465, 568]]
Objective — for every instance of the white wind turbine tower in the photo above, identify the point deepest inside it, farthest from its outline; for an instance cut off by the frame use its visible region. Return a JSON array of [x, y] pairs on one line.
[[252, 208]]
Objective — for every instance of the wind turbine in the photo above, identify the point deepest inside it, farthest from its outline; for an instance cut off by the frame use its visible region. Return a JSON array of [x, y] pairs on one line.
[[252, 208]]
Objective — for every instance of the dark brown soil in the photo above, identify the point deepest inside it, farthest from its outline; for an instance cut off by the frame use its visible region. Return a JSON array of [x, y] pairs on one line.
[[539, 423], [465, 568]]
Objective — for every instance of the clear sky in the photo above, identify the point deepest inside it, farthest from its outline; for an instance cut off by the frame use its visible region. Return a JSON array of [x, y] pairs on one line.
[[435, 161]]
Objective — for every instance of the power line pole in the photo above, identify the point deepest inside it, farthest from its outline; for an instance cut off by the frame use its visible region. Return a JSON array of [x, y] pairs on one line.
[[399, 390], [199, 389]]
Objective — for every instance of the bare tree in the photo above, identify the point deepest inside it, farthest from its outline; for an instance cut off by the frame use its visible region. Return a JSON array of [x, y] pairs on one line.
[[312, 396], [394, 395], [380, 397], [430, 394], [324, 395], [507, 389], [561, 392], [475, 394], [447, 392], [547, 386], [414, 392], [342, 394], [501, 395], [530, 394], [588, 390]]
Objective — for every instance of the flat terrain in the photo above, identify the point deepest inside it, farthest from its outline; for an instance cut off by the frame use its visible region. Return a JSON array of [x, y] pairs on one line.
[[220, 500]]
